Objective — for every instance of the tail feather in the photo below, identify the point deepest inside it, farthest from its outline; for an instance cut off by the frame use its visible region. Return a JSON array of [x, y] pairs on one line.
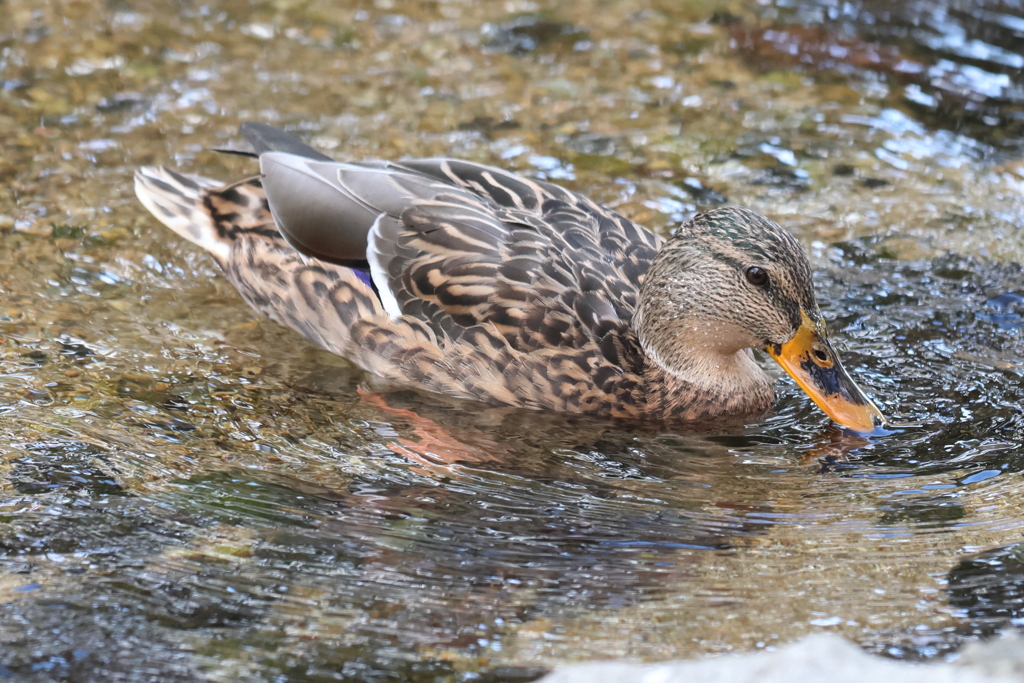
[[177, 202]]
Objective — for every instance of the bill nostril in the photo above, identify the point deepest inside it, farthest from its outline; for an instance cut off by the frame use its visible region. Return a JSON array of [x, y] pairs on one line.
[[821, 356]]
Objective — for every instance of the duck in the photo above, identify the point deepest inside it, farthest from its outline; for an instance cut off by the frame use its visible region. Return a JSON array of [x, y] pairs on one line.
[[458, 278]]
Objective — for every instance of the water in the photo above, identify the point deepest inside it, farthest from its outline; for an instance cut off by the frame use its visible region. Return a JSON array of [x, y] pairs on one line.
[[192, 493]]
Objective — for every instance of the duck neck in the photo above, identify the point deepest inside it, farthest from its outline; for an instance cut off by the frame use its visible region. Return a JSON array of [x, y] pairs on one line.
[[701, 365]]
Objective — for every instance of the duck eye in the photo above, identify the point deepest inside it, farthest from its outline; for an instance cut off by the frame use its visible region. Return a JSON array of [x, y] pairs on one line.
[[757, 276]]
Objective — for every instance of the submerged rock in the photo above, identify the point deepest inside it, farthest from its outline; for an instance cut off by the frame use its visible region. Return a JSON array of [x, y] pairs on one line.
[[820, 657], [989, 587]]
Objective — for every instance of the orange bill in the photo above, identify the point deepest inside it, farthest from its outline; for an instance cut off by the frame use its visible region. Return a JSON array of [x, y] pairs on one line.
[[812, 362]]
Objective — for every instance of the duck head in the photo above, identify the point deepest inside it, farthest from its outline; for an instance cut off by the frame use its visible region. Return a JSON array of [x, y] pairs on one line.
[[731, 280]]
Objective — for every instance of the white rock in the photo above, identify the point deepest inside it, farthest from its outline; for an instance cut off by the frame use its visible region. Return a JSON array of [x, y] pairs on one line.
[[819, 658]]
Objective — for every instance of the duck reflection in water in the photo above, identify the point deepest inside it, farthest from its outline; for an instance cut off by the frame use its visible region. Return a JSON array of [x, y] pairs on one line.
[[516, 515]]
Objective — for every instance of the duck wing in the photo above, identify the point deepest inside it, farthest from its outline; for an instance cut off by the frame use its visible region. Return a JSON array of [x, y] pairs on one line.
[[458, 244]]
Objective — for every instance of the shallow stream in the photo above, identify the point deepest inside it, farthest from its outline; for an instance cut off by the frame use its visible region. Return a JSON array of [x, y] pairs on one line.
[[190, 492]]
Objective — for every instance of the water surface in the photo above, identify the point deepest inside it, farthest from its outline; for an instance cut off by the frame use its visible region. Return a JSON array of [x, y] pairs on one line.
[[190, 492]]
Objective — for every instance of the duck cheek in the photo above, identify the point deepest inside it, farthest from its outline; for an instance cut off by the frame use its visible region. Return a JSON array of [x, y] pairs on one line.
[[813, 364]]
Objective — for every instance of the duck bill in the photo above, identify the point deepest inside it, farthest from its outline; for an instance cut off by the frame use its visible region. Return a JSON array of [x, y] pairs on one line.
[[812, 362]]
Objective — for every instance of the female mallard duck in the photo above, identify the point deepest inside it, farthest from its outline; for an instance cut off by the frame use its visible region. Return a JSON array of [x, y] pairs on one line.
[[463, 279]]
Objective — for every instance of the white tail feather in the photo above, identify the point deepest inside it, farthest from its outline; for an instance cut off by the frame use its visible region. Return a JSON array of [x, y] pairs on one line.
[[175, 199]]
